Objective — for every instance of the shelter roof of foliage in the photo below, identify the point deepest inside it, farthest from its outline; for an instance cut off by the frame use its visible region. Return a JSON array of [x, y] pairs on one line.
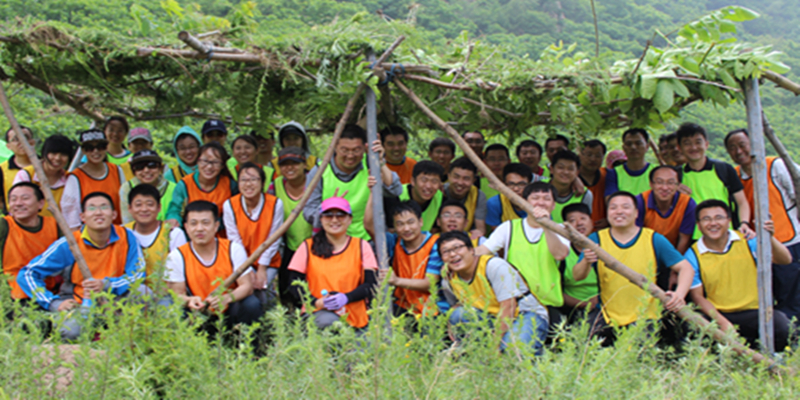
[[310, 76]]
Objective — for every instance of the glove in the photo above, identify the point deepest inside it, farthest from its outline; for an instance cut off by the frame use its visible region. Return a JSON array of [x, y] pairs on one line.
[[335, 301]]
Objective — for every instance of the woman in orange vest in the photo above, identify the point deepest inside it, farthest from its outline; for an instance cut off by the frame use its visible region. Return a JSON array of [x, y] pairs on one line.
[[339, 269], [212, 182]]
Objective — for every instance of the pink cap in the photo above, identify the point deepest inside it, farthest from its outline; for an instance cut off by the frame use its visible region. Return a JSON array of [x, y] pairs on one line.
[[614, 156], [336, 203]]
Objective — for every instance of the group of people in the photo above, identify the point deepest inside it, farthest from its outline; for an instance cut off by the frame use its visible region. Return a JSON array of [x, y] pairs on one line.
[[458, 247]]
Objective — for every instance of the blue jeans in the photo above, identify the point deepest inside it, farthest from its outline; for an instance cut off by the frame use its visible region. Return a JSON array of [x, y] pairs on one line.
[[529, 328]]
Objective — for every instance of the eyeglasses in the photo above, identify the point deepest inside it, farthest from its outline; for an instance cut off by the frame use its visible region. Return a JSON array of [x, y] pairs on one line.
[[717, 218], [88, 148], [104, 207], [211, 163], [335, 214], [151, 165], [453, 250], [188, 148], [520, 185], [451, 215]]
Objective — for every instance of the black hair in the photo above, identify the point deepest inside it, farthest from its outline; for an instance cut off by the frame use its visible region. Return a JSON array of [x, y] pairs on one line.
[[452, 203], [529, 143], [427, 167], [539, 187], [221, 152], [676, 169], [463, 163], [519, 169], [622, 194], [689, 129], [497, 146], [268, 132], [119, 119], [575, 207], [406, 206], [93, 195], [37, 191], [441, 141], [200, 206], [247, 138], [634, 131], [321, 246], [711, 204], [393, 130], [59, 144], [663, 139], [22, 128], [454, 235], [733, 132], [566, 155], [144, 189], [352, 131], [671, 136], [557, 138], [468, 132], [251, 165], [595, 143]]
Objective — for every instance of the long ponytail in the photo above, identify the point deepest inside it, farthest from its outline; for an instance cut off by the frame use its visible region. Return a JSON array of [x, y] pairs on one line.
[[321, 246]]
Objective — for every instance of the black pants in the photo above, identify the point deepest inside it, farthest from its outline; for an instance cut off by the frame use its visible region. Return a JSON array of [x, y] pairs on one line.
[[284, 280], [746, 323], [671, 329], [786, 285]]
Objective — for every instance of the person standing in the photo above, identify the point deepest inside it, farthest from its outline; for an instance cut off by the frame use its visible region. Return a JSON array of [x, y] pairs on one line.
[[11, 167], [185, 145], [496, 158], [593, 176], [395, 142], [442, 151], [632, 176], [666, 210], [530, 153], [566, 165], [56, 153], [460, 188], [499, 208]]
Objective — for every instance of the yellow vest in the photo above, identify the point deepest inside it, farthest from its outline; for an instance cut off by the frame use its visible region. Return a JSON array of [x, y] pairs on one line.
[[8, 179], [508, 209], [622, 300], [157, 253], [471, 203], [56, 192], [729, 279], [478, 292]]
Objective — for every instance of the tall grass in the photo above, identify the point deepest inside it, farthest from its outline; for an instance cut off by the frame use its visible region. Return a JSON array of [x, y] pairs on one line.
[[157, 353]]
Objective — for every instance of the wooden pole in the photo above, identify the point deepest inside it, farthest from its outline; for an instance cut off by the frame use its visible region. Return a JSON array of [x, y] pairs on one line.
[[48, 194], [582, 241], [652, 144], [787, 159], [760, 188]]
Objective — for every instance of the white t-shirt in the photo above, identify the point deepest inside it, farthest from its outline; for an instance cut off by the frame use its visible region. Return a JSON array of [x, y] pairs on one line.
[[232, 231], [498, 240], [176, 237], [175, 271], [72, 196]]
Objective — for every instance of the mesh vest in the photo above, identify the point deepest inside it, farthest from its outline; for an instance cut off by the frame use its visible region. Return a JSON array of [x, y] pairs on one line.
[[536, 265]]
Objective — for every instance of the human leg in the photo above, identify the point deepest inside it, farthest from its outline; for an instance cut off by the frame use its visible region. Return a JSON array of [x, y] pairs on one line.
[[245, 311], [746, 323], [325, 318], [529, 328], [786, 284], [284, 281], [598, 327]]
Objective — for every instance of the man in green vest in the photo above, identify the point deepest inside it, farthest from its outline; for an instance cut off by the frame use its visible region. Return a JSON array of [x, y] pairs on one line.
[[577, 294], [426, 179], [348, 176], [496, 158], [633, 175], [709, 179], [566, 166], [536, 252]]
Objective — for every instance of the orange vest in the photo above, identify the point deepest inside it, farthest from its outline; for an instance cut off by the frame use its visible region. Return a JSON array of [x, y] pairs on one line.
[[599, 196], [412, 266], [404, 170], [784, 229], [56, 192], [669, 227], [109, 185], [202, 280], [218, 195], [342, 273], [253, 233], [22, 246], [108, 262]]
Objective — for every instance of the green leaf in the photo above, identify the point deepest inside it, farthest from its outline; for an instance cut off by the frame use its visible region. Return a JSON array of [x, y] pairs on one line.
[[690, 64], [664, 97], [726, 26], [727, 78], [741, 14], [679, 88], [649, 84]]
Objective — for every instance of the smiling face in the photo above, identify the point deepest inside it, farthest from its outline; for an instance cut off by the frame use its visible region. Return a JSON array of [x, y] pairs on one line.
[[292, 170], [408, 226], [565, 172], [201, 227], [98, 213], [57, 161], [250, 183], [621, 212], [395, 146], [335, 222], [461, 181], [14, 144], [458, 256], [187, 147], [694, 147], [452, 218], [147, 172], [475, 141], [95, 151], [581, 222], [209, 164], [675, 152], [544, 200], [265, 145], [496, 160], [635, 146], [592, 158], [517, 183], [553, 147], [426, 186], [713, 223], [244, 152], [144, 209], [665, 184], [22, 203], [442, 155], [349, 154], [115, 132], [530, 156], [739, 149]]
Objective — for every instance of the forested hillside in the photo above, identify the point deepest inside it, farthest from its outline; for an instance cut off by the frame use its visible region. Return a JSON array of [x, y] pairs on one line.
[[522, 27]]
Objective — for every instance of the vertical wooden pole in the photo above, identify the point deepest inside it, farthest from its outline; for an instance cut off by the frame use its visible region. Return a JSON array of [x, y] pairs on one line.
[[761, 190]]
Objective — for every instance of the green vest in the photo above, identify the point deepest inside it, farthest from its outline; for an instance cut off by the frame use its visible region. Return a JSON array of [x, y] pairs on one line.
[[300, 230], [118, 160], [357, 195], [635, 185], [705, 185], [431, 213], [581, 290], [536, 265], [556, 214], [268, 172], [486, 189]]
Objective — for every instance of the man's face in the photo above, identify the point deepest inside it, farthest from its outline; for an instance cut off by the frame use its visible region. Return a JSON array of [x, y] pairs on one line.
[[250, 183], [621, 212], [544, 200], [395, 147], [215, 136], [713, 223], [426, 186], [664, 184], [139, 144], [581, 222], [22, 203], [553, 147], [349, 153], [530, 156], [457, 255], [144, 209], [98, 214], [694, 147], [201, 226], [592, 158], [517, 183], [565, 172], [265, 145], [407, 226], [475, 141], [442, 155], [291, 169], [148, 172], [14, 144], [635, 146], [115, 132], [663, 150], [739, 149], [496, 160], [675, 152], [452, 218], [95, 151], [461, 181]]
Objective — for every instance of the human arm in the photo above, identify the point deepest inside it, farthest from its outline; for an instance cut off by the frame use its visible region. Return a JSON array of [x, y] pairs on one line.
[[780, 254], [496, 241], [191, 302], [31, 277], [71, 202], [244, 284], [611, 182], [229, 222], [578, 187], [570, 301], [587, 258], [134, 268], [744, 215], [175, 209], [677, 298], [708, 309], [683, 242], [505, 316], [369, 212], [277, 220], [557, 247], [125, 213], [311, 209]]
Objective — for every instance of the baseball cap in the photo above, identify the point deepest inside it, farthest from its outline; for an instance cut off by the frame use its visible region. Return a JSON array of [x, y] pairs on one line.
[[292, 127], [292, 153], [92, 135], [214, 125], [336, 203], [140, 133], [144, 156], [614, 156]]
